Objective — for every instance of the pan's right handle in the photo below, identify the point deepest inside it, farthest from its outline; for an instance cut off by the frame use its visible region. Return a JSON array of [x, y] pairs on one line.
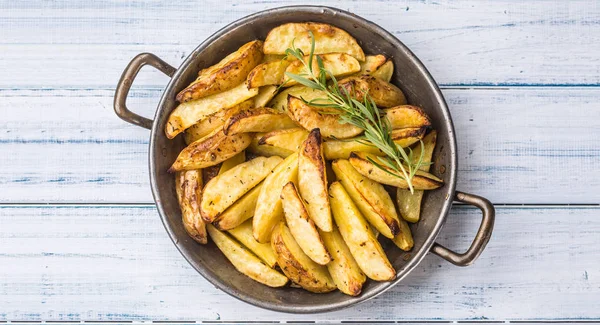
[[126, 80]]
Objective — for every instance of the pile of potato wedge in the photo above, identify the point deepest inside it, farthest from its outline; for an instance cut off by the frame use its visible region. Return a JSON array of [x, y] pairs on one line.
[[282, 188]]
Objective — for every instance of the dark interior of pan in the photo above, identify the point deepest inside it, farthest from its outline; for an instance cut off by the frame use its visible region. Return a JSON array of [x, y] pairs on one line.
[[409, 75]]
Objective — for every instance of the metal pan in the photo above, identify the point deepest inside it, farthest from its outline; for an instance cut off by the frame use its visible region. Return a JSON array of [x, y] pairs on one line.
[[411, 76]]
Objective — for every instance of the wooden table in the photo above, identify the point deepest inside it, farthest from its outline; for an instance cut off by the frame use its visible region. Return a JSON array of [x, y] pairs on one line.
[[80, 238]]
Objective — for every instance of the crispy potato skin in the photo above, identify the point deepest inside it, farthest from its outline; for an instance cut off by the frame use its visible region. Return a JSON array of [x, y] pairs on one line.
[[310, 118], [421, 180], [296, 265], [259, 119], [244, 261], [312, 180], [226, 74], [302, 227], [209, 124], [266, 149], [407, 116], [188, 186], [383, 93], [211, 150], [189, 113], [328, 39]]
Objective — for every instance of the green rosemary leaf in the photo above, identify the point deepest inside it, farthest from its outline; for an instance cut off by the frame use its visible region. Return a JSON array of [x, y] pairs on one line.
[[302, 80]]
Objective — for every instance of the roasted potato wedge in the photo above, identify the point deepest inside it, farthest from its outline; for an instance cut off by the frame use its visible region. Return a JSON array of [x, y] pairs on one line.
[[269, 210], [273, 57], [338, 64], [327, 38], [244, 261], [238, 212], [407, 116], [296, 265], [344, 270], [383, 93], [260, 119], [222, 191], [225, 75], [264, 96], [209, 124], [312, 181], [269, 73], [210, 150], [188, 113], [341, 149], [232, 162], [311, 118], [280, 101], [371, 198], [409, 204], [357, 234], [243, 234], [266, 149], [420, 181], [385, 71], [404, 239], [290, 139], [188, 187], [372, 63], [302, 226]]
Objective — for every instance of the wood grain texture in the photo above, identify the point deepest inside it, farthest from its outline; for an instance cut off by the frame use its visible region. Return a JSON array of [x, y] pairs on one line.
[[462, 42], [116, 263], [517, 145]]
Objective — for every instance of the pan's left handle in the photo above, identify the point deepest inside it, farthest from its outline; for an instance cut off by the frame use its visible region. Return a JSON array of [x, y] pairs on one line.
[[126, 80]]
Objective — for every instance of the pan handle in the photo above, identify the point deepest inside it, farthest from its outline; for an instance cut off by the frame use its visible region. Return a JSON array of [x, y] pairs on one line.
[[481, 239], [126, 80]]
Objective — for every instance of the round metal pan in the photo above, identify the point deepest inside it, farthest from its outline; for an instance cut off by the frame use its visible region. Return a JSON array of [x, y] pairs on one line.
[[410, 75]]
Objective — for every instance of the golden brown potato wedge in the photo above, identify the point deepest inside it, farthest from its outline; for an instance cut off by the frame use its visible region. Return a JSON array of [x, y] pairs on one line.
[[228, 73], [290, 139], [311, 118], [302, 226], [238, 212], [264, 96], [188, 113], [404, 240], [409, 204], [232, 162], [383, 93], [207, 125], [269, 210], [296, 265], [273, 57], [222, 191], [327, 38], [421, 180], [341, 149], [243, 234], [337, 64], [244, 261], [344, 270], [357, 234], [210, 150], [372, 63], [188, 186], [269, 73], [384, 72], [260, 119], [266, 149], [371, 198], [407, 116], [280, 101], [312, 181]]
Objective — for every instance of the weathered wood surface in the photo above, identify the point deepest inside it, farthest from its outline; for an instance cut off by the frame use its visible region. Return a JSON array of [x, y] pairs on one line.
[[117, 263]]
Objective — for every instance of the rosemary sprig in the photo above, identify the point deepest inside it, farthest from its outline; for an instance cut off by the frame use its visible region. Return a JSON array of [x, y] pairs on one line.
[[364, 115]]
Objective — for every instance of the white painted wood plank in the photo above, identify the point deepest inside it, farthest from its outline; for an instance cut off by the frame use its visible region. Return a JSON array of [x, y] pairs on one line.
[[116, 263], [83, 44], [518, 145]]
